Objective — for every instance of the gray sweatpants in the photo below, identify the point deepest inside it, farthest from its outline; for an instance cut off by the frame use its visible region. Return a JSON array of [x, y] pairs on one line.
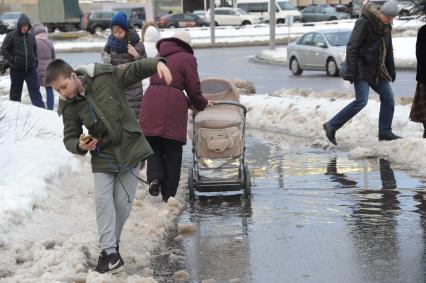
[[114, 194]]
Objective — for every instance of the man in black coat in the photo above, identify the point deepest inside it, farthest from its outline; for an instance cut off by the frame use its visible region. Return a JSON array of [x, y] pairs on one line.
[[370, 63], [20, 49]]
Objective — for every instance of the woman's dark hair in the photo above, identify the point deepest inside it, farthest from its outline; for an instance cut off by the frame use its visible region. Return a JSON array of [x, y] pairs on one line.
[[56, 69]]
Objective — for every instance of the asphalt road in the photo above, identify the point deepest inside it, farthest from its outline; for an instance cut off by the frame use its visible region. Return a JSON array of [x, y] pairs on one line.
[[240, 63]]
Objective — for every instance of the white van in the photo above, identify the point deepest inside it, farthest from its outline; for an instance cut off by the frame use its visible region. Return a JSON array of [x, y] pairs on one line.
[[261, 8]]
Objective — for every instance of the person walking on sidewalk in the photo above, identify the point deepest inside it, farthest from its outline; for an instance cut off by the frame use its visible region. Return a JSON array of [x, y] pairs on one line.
[[45, 55], [370, 63], [418, 109], [164, 113], [94, 96], [20, 49], [123, 46]]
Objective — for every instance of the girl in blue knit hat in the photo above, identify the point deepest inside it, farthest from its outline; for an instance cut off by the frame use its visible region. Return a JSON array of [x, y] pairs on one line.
[[123, 46]]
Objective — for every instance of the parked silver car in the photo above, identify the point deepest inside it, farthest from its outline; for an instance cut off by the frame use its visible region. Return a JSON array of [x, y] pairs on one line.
[[10, 19], [318, 50]]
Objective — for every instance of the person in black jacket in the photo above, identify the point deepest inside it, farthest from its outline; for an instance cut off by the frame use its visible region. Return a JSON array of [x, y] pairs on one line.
[[370, 63], [20, 49], [418, 109]]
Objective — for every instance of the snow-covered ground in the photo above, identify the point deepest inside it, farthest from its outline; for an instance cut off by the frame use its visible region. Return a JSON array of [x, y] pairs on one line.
[[404, 53]]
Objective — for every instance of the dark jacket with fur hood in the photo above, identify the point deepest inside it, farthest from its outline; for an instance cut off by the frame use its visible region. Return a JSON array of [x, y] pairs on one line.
[[369, 53]]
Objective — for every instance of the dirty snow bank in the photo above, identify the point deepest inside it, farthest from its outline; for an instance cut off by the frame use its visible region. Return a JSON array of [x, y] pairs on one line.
[[48, 229], [303, 116], [31, 155]]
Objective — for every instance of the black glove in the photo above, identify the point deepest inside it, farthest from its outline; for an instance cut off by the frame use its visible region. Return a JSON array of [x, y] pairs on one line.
[[349, 78]]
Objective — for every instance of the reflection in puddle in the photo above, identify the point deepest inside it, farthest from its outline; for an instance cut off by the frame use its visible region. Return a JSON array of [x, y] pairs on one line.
[[217, 250], [315, 216]]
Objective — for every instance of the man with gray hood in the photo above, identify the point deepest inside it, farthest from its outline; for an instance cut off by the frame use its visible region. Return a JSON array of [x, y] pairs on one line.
[[20, 49], [370, 63]]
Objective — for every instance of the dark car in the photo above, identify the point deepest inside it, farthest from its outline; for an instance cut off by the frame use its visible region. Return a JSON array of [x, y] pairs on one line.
[[180, 21], [95, 21], [314, 13], [3, 27], [136, 15]]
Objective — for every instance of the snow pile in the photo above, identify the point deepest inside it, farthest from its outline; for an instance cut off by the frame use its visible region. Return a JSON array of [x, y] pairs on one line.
[[31, 154], [48, 230], [404, 53], [303, 116]]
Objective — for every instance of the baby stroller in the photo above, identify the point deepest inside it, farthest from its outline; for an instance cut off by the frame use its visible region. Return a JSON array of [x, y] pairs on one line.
[[218, 142]]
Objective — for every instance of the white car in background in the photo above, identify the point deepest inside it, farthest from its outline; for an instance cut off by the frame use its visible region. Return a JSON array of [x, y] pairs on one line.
[[200, 13], [319, 50], [284, 9], [233, 17]]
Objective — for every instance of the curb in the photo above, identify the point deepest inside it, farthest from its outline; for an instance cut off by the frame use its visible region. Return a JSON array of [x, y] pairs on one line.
[[279, 41]]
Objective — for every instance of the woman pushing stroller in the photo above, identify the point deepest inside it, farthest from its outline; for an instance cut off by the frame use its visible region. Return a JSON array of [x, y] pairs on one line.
[[164, 113]]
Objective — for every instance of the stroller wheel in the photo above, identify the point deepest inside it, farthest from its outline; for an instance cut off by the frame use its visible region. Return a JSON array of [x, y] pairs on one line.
[[247, 181], [191, 186]]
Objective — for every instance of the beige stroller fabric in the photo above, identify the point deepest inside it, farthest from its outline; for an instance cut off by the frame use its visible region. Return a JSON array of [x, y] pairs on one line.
[[219, 129]]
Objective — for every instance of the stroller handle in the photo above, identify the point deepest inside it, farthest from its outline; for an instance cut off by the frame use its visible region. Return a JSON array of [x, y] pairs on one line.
[[230, 102]]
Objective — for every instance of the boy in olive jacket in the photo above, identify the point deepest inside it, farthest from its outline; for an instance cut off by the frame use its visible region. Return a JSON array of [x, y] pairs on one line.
[[94, 96]]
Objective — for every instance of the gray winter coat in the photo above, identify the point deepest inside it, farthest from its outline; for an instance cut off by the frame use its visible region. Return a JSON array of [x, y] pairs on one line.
[[369, 53], [45, 51], [134, 92]]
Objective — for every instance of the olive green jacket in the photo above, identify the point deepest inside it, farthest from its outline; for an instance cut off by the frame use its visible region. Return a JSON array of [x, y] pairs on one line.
[[103, 109]]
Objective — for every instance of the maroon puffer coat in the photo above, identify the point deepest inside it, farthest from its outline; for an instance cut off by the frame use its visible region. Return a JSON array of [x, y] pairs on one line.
[[164, 111]]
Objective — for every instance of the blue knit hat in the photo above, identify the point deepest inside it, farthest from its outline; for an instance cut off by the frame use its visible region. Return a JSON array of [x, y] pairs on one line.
[[120, 19]]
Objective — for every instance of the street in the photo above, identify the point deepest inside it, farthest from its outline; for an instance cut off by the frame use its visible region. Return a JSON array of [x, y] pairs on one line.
[[267, 78]]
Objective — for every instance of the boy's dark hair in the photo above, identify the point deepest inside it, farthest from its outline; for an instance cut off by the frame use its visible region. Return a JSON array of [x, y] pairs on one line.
[[57, 68]]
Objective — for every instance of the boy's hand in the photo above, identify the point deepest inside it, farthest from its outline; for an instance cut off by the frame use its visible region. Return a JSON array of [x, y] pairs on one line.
[[132, 51], [164, 72], [210, 103], [85, 144], [122, 66]]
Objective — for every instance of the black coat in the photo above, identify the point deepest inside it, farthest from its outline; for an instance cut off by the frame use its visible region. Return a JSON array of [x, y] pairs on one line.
[[20, 49], [420, 55], [363, 49]]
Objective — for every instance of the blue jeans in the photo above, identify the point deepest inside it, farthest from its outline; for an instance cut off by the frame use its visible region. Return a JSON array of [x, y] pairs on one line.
[[387, 106], [17, 78], [50, 101]]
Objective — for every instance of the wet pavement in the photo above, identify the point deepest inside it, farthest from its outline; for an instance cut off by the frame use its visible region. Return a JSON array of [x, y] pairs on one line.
[[314, 216]]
